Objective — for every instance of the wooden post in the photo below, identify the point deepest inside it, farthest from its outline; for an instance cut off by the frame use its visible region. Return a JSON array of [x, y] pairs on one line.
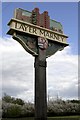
[[40, 86]]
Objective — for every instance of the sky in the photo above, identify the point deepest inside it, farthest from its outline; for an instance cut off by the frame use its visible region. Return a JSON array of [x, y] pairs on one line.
[[18, 66]]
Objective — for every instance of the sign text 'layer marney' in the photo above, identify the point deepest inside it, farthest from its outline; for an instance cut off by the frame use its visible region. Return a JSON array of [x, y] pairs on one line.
[[38, 31]]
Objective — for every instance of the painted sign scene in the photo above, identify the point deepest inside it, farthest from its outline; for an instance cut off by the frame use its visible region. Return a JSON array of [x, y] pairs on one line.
[[36, 24], [40, 62]]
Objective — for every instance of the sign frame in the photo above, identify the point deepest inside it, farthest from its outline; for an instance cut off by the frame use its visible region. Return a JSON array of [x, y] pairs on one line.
[[23, 28]]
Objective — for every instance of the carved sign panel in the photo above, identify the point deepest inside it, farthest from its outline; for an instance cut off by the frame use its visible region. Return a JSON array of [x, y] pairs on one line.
[[27, 35], [33, 34]]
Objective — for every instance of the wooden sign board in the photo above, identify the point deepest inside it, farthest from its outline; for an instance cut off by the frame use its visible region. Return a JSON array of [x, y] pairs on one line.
[[28, 28], [26, 34]]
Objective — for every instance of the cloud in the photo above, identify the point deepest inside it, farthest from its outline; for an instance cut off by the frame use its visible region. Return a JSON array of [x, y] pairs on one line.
[[18, 72], [63, 74], [17, 68]]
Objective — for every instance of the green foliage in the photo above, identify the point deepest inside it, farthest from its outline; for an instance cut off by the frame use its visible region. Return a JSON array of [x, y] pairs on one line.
[[11, 110], [18, 101], [7, 98], [75, 101], [12, 107], [60, 108], [14, 111], [10, 99]]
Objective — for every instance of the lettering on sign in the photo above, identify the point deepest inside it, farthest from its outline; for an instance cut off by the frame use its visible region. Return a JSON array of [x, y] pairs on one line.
[[38, 31]]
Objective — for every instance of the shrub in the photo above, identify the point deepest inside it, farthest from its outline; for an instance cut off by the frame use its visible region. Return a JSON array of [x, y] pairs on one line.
[[17, 108], [11, 110]]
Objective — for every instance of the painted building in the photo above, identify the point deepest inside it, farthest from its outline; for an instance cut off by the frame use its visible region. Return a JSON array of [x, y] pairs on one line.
[[42, 20]]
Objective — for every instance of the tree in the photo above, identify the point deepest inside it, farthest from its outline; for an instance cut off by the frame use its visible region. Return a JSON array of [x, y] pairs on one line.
[[7, 98], [19, 101]]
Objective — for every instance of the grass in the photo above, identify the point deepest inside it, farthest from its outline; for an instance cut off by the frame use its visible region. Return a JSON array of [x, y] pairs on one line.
[[49, 118], [66, 117]]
